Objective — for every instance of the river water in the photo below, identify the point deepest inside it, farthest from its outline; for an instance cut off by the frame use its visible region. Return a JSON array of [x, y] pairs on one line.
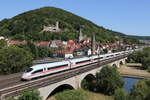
[[129, 82]]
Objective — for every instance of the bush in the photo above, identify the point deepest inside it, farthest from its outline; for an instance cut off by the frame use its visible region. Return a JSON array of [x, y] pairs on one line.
[[141, 90], [109, 80], [142, 57], [2, 43], [120, 94], [71, 95], [30, 95], [14, 59], [43, 52], [85, 84]]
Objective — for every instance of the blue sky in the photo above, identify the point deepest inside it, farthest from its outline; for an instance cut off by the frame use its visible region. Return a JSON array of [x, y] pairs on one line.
[[127, 16]]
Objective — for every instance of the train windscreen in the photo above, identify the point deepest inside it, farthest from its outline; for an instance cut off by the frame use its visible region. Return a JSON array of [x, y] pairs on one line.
[[29, 70]]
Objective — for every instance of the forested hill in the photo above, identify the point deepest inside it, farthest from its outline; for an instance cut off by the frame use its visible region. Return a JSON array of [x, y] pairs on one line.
[[141, 37], [29, 26]]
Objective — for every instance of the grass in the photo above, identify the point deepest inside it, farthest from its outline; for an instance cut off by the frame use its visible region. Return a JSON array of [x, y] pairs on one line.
[[86, 95]]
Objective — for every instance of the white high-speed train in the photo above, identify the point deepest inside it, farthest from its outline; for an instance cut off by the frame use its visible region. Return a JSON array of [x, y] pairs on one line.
[[54, 67]]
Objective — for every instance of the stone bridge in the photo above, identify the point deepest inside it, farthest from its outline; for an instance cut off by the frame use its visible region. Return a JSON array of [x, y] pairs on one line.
[[75, 81]]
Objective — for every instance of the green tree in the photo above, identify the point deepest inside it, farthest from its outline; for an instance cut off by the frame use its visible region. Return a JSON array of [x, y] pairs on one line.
[[120, 94], [30, 95], [43, 52], [141, 90], [108, 80], [142, 57], [2, 43], [85, 84], [14, 59], [33, 49], [71, 95]]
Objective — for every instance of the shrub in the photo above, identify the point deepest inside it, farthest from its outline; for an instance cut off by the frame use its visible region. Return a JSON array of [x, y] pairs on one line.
[[141, 90], [120, 94], [85, 84], [30, 95], [14, 59], [71, 95], [109, 80]]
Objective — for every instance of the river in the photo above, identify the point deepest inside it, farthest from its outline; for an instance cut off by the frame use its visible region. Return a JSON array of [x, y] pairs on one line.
[[129, 82]]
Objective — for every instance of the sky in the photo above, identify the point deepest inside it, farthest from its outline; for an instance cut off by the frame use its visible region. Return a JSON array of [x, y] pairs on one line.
[[131, 17]]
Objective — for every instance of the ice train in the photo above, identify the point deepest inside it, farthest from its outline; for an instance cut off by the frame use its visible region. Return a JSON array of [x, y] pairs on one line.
[[54, 67]]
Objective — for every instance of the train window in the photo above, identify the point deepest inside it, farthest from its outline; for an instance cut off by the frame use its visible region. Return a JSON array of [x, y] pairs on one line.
[[37, 71], [57, 66], [82, 61], [101, 57], [96, 58], [29, 69]]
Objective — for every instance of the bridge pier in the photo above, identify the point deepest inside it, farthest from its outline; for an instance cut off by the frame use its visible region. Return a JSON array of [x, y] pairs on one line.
[[74, 82]]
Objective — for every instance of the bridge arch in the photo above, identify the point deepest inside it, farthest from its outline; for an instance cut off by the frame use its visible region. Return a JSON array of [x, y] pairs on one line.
[[89, 82], [121, 62], [85, 76], [60, 88], [89, 77], [114, 65]]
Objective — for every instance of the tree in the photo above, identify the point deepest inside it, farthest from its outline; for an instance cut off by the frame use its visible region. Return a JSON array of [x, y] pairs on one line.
[[2, 43], [30, 95], [120, 94], [33, 49], [142, 57], [108, 80], [43, 52], [14, 59], [141, 90], [85, 84], [135, 57]]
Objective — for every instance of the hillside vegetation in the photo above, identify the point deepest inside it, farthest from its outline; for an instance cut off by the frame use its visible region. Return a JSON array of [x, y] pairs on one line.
[[141, 37], [29, 26]]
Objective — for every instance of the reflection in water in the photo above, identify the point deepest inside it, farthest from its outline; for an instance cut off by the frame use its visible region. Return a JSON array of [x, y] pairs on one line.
[[129, 82]]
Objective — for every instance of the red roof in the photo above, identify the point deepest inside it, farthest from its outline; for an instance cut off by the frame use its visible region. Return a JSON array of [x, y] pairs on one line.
[[14, 42], [42, 43], [63, 52]]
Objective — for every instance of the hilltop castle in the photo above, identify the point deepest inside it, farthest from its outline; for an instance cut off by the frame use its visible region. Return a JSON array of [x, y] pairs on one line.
[[52, 28]]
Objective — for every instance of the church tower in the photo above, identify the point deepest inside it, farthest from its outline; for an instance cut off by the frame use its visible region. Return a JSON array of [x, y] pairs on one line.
[[80, 35]]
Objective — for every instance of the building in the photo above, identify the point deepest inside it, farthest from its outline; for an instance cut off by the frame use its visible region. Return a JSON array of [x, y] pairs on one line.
[[52, 28], [2, 38], [43, 43], [15, 42]]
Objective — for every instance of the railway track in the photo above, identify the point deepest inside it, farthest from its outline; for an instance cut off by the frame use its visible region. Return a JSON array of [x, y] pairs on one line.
[[14, 90]]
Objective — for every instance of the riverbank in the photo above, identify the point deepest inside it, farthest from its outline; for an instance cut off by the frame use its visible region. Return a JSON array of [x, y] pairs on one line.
[[133, 70]]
